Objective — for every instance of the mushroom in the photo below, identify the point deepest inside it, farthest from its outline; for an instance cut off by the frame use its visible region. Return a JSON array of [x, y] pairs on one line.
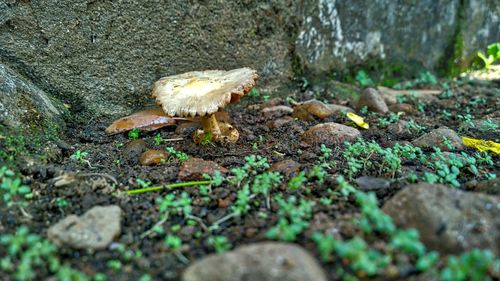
[[203, 93]]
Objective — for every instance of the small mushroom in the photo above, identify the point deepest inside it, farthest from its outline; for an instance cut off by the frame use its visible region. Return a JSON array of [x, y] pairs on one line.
[[203, 93]]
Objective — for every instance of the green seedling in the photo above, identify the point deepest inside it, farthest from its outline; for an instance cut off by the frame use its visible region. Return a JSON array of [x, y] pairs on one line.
[[491, 56], [133, 134], [80, 156], [363, 79], [177, 154]]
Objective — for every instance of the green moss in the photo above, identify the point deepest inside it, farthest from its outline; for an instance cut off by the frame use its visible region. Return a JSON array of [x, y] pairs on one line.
[[453, 62]]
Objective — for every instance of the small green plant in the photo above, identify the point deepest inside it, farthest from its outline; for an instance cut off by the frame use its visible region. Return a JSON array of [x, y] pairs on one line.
[[254, 92], [158, 139], [11, 188], [133, 134], [473, 265], [414, 127], [491, 56], [424, 78], [298, 181], [177, 154], [363, 79], [27, 254], [114, 264], [386, 121], [61, 202], [80, 156], [143, 183], [294, 216], [219, 243], [173, 242], [488, 125]]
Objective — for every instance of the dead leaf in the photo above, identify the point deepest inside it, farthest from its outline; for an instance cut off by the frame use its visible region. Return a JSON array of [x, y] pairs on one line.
[[146, 120]]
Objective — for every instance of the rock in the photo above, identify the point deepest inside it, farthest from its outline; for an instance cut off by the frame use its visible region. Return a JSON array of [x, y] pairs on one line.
[[483, 125], [96, 229], [398, 128], [187, 129], [449, 220], [107, 55], [310, 109], [152, 157], [265, 261], [389, 98], [133, 149], [194, 168], [330, 133], [276, 111], [331, 34], [313, 108], [437, 137], [367, 183], [286, 167], [372, 99], [277, 123], [22, 102], [339, 109], [487, 186], [401, 107]]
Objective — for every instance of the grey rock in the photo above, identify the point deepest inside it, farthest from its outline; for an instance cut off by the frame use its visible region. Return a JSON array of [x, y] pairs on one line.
[[95, 229], [21, 101], [338, 109], [373, 101], [103, 57], [276, 111], [436, 138], [485, 125], [286, 167], [449, 220], [339, 34], [278, 123], [487, 186], [266, 261], [389, 98], [330, 133], [367, 183], [399, 128]]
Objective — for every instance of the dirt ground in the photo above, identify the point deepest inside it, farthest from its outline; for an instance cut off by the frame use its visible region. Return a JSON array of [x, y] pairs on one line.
[[108, 159]]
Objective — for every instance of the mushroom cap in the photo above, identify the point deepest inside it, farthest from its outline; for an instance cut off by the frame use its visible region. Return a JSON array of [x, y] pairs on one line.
[[198, 93]]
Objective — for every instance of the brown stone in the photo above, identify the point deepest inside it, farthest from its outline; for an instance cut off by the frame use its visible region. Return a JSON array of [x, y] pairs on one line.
[[330, 133], [276, 123], [436, 138], [286, 167], [401, 107], [276, 111], [194, 168], [449, 220], [266, 261], [310, 109], [373, 100], [152, 157]]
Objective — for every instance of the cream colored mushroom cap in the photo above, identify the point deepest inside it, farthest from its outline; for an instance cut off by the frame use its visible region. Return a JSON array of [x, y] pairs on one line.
[[198, 93]]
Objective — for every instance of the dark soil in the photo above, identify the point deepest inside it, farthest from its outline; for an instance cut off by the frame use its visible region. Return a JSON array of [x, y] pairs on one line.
[[106, 156]]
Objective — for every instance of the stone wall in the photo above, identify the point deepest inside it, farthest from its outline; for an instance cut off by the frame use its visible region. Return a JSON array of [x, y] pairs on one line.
[[100, 57]]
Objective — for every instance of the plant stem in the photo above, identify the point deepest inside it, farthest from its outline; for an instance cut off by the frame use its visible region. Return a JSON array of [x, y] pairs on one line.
[[163, 186]]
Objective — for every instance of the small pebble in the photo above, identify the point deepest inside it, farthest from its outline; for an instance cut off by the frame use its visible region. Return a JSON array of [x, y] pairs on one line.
[[153, 157]]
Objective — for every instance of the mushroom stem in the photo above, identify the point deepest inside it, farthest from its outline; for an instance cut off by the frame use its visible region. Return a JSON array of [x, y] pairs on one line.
[[210, 125]]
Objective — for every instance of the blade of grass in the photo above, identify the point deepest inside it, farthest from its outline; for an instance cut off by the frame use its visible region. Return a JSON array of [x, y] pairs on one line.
[[164, 186]]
